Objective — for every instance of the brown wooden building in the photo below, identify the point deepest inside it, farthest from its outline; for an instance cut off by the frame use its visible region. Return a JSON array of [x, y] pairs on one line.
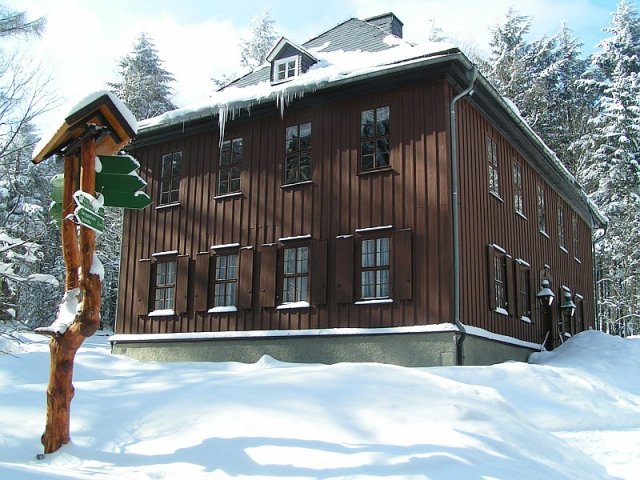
[[308, 211]]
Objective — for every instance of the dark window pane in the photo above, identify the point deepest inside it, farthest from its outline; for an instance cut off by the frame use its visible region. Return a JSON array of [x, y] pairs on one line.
[[237, 150], [305, 136], [382, 121], [367, 124], [225, 153], [291, 144], [382, 152]]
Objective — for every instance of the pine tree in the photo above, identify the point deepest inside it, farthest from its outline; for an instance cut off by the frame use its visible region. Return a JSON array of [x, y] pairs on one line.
[[263, 37], [507, 68], [29, 245], [572, 104], [144, 86], [611, 155]]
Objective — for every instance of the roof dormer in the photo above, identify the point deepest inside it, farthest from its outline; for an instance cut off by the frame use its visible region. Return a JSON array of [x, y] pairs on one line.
[[289, 60]]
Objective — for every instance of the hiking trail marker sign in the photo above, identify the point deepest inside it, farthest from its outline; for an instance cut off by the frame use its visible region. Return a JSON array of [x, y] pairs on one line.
[[99, 124]]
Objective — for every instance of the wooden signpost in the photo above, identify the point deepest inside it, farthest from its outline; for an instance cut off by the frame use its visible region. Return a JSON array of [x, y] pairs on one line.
[[100, 125]]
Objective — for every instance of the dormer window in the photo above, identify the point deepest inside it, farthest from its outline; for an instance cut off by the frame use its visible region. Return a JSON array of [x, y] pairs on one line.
[[285, 68], [288, 61]]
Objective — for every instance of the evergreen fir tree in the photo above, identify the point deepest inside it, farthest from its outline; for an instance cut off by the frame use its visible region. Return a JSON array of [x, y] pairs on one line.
[[144, 85], [263, 38], [506, 68], [611, 155]]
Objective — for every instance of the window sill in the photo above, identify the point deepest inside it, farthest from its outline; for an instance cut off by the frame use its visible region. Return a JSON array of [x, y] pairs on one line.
[[521, 215], [544, 234], [227, 195], [293, 305], [161, 313], [374, 301], [501, 311], [168, 205], [577, 260], [373, 171], [526, 319], [296, 184], [564, 250], [223, 309], [496, 196]]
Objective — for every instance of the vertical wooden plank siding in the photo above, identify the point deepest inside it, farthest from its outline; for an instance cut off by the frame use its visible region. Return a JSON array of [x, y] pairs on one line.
[[490, 220], [412, 196]]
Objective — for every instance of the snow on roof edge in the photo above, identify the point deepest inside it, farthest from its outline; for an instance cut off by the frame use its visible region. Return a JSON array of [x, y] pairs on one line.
[[233, 99]]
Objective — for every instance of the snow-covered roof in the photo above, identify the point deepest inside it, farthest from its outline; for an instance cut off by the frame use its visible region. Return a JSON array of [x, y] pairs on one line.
[[334, 68]]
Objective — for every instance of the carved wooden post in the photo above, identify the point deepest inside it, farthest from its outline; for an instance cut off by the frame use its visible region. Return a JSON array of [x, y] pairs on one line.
[[63, 347]]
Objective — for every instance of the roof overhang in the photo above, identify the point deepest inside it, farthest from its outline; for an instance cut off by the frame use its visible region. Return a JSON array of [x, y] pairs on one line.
[[102, 111]]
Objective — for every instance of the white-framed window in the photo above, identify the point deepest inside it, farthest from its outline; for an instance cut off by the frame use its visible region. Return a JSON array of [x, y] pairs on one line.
[[165, 284], [297, 165], [374, 268], [542, 213], [375, 145], [229, 166], [226, 280], [518, 197], [562, 237], [170, 178], [492, 161], [295, 274], [285, 68]]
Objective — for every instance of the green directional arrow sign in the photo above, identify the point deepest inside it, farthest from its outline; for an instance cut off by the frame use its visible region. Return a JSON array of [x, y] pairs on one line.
[[119, 182], [126, 199], [121, 164], [113, 182], [90, 219]]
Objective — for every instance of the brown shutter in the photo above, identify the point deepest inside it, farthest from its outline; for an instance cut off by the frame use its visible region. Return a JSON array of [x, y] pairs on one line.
[[319, 272], [403, 265], [491, 277], [182, 284], [509, 284], [268, 263], [245, 279], [142, 287], [201, 282], [344, 269]]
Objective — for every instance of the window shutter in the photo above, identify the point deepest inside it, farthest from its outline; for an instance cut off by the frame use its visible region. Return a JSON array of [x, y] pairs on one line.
[[344, 269], [403, 265], [201, 282], [141, 288], [319, 272], [511, 302], [268, 263], [491, 277], [245, 279], [182, 284]]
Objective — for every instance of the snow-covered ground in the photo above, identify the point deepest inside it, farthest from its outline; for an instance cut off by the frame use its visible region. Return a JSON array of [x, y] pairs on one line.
[[571, 414]]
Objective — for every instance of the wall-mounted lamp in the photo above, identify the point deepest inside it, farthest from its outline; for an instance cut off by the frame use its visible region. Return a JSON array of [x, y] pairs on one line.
[[545, 296], [568, 308]]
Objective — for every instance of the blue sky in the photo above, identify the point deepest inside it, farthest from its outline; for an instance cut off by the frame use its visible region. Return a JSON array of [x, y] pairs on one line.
[[199, 39]]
